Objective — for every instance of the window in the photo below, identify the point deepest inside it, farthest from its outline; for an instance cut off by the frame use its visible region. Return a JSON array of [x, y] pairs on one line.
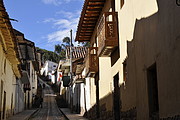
[[122, 3], [125, 70], [28, 66], [4, 65], [32, 76], [153, 92]]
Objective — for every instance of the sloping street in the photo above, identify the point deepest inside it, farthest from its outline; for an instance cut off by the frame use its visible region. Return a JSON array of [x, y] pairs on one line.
[[89, 59], [49, 110]]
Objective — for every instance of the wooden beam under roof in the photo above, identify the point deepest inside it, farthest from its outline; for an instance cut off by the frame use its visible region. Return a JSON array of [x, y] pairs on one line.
[[89, 16], [85, 34], [87, 28], [94, 9]]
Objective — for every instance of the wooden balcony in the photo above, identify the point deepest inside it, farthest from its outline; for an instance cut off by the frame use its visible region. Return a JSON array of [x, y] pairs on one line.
[[79, 79], [91, 62], [107, 34]]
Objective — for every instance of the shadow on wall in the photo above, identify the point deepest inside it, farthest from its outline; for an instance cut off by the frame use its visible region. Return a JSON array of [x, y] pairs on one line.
[[107, 112], [61, 102]]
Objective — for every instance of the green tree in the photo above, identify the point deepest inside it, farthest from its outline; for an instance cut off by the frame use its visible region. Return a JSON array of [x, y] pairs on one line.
[[86, 44], [66, 40], [61, 49], [57, 49], [49, 55]]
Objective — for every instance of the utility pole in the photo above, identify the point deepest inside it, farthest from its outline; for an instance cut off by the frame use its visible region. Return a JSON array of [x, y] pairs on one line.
[[71, 77]]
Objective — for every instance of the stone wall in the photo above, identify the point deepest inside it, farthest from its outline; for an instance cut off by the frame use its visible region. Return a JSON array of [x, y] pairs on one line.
[[176, 117], [108, 115], [91, 114], [129, 114], [105, 114]]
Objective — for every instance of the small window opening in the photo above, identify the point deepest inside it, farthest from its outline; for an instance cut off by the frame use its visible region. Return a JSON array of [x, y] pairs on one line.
[[122, 3]]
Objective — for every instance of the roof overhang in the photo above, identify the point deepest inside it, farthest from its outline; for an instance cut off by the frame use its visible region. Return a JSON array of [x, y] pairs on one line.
[[89, 17], [8, 40], [27, 46]]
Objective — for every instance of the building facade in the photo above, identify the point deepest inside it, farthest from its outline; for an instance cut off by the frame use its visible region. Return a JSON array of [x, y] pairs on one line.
[[29, 67], [136, 41], [9, 65], [48, 69]]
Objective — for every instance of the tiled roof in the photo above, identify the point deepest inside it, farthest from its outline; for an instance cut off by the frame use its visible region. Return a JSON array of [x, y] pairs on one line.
[[77, 52]]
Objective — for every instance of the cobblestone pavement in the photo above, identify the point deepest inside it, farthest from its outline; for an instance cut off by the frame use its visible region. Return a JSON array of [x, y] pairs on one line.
[[50, 110]]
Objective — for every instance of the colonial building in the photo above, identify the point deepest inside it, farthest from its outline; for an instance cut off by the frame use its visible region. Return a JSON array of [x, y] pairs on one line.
[[99, 26], [29, 67], [48, 69], [153, 55], [134, 42], [72, 88], [9, 65]]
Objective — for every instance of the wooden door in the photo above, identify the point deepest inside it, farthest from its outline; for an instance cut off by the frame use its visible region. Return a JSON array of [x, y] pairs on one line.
[[116, 98]]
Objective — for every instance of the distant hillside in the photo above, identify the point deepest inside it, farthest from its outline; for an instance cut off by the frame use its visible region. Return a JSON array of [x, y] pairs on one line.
[[49, 55]]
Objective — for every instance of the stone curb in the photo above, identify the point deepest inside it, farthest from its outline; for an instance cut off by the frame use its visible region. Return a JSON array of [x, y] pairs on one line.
[[63, 114], [32, 114], [62, 111]]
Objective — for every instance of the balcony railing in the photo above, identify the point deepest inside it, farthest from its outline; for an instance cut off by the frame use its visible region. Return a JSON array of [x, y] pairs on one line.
[[79, 79], [91, 62], [107, 34]]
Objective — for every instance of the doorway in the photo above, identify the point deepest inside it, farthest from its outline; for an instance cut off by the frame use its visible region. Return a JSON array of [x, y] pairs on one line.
[[4, 106], [28, 104], [116, 97], [153, 92], [12, 104], [1, 99]]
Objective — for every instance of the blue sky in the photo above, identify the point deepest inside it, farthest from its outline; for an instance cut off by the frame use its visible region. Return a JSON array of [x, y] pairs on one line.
[[45, 22]]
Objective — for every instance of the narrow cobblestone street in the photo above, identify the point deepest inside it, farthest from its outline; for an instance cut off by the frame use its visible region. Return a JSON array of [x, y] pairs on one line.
[[50, 110], [89, 59]]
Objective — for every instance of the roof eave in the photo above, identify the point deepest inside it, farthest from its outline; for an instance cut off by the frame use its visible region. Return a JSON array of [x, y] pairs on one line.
[[88, 20]]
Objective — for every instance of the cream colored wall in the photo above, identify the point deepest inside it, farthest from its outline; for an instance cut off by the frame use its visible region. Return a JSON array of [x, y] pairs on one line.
[[92, 92], [9, 87], [158, 36], [19, 104], [32, 82], [155, 39], [127, 17], [87, 93], [1, 74], [132, 10], [105, 78], [9, 82], [105, 83]]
